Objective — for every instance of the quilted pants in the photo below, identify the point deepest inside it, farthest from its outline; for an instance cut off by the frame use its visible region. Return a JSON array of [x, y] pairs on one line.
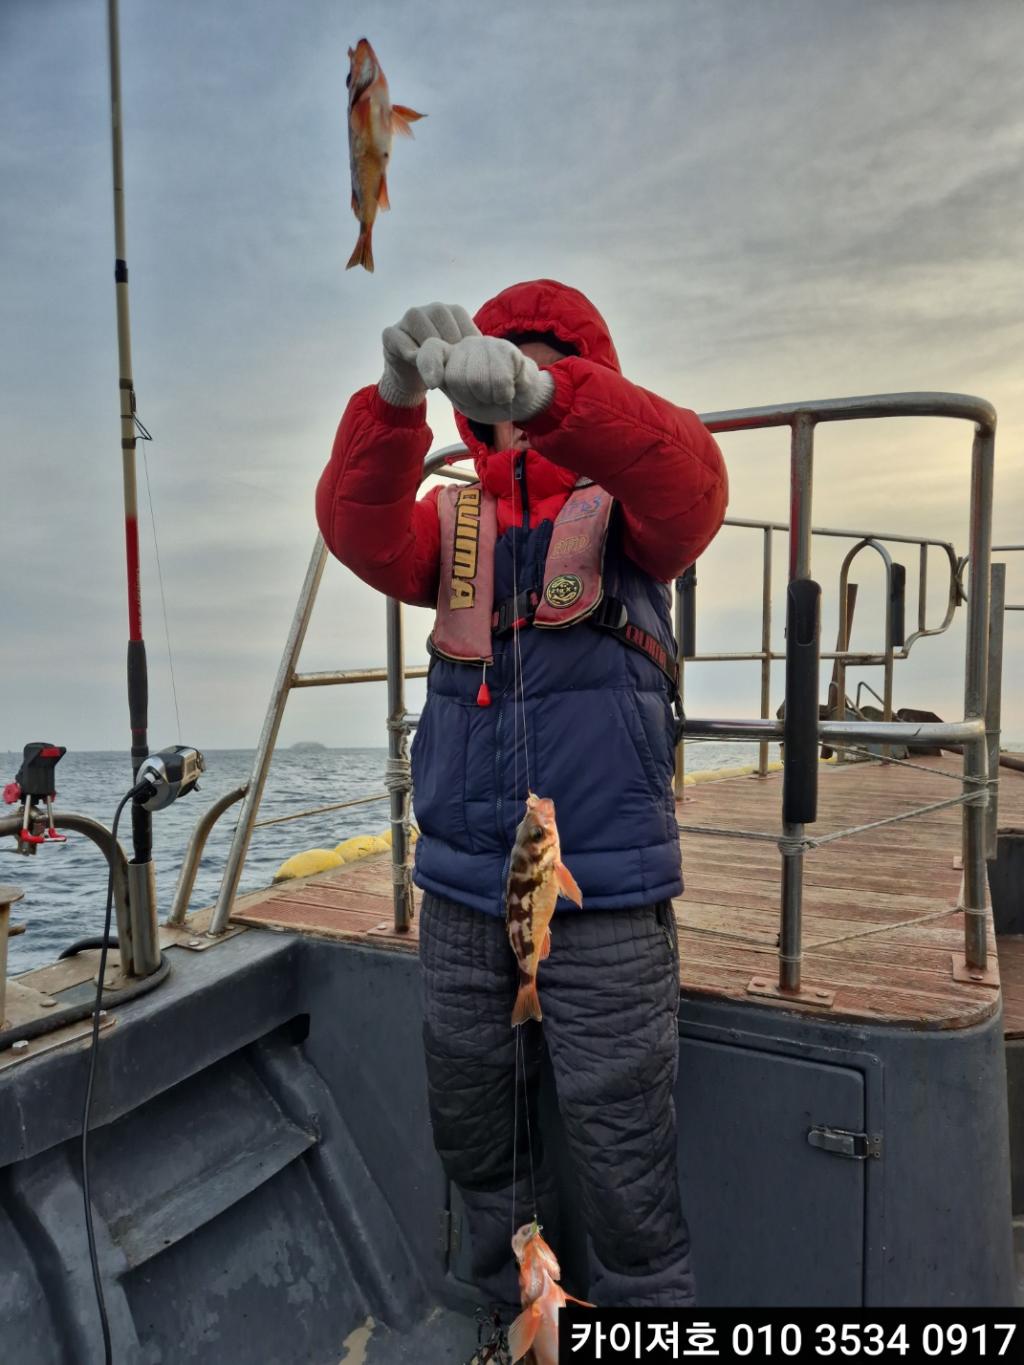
[[610, 996]]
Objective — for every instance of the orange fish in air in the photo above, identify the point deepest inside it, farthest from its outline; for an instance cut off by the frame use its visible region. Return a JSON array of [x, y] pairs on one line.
[[536, 877], [536, 1327], [372, 121]]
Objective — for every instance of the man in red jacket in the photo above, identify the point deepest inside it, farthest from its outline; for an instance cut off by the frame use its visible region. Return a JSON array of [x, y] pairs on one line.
[[553, 670]]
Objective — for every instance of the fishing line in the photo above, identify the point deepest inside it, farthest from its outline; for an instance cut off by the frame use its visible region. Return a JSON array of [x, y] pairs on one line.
[[520, 1068], [515, 635], [518, 690], [163, 598], [516, 682], [515, 1123], [519, 506], [521, 1047], [522, 700]]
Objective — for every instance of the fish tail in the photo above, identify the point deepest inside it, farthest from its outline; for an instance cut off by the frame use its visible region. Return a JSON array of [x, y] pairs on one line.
[[363, 254], [527, 1004], [523, 1333]]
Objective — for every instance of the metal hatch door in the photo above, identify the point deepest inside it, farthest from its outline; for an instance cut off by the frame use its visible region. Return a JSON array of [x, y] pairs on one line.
[[774, 1220]]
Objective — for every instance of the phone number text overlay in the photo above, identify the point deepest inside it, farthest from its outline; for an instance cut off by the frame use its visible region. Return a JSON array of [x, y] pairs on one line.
[[890, 1334]]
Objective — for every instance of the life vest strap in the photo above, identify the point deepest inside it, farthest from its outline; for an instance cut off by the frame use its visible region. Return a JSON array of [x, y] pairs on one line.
[[609, 615]]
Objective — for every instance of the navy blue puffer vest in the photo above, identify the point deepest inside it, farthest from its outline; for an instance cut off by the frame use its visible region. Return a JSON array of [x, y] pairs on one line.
[[599, 727]]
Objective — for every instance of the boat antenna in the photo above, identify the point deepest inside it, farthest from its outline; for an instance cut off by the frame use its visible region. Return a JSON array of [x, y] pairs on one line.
[[138, 680]]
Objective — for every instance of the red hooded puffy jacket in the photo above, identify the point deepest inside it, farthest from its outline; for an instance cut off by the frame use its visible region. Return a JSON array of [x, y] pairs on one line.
[[658, 460]]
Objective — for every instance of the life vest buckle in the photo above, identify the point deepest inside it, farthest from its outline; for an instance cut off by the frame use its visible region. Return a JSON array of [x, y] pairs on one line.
[[514, 611], [610, 614]]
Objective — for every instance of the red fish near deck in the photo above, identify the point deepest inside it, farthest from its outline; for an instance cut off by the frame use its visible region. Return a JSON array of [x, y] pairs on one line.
[[536, 877], [536, 1328], [372, 121]]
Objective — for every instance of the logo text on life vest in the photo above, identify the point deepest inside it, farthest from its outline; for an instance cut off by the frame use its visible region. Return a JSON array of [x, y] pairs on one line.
[[569, 545], [648, 644], [467, 541], [580, 509], [564, 590]]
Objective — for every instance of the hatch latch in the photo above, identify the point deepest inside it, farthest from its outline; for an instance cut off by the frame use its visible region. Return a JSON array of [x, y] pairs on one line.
[[841, 1142]]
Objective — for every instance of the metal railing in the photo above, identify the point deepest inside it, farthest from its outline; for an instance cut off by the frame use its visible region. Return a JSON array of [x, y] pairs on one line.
[[895, 648], [973, 732], [399, 723], [979, 702], [1010, 549], [995, 665]]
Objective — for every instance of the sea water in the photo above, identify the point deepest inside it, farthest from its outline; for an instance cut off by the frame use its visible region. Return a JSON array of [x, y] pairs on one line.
[[65, 884]]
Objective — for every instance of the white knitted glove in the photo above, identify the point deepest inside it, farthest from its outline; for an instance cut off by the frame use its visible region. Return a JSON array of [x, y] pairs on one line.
[[487, 378], [400, 383]]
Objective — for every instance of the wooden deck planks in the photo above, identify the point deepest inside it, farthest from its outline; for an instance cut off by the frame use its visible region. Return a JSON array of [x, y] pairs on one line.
[[880, 924], [1011, 968]]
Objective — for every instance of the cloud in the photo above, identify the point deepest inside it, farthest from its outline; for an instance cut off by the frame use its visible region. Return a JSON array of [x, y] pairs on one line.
[[767, 202]]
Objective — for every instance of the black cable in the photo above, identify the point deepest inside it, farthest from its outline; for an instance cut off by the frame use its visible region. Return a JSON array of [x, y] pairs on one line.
[[74, 1014], [87, 1111], [81, 944]]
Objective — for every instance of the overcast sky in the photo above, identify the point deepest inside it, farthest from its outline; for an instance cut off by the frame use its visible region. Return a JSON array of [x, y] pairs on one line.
[[768, 202]]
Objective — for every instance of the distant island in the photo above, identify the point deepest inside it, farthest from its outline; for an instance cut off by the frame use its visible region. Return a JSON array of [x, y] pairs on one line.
[[308, 746]]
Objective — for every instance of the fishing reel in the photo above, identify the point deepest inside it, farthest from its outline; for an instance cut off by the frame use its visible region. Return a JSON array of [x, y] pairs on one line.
[[35, 783], [166, 775]]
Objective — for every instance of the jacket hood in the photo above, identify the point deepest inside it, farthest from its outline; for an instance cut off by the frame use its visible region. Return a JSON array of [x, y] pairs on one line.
[[547, 306], [542, 306]]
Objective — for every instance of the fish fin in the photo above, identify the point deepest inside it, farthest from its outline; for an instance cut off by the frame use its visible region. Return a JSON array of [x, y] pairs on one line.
[[522, 1333], [401, 117], [567, 884], [545, 944], [363, 254], [355, 204], [383, 201], [570, 1298], [527, 1004]]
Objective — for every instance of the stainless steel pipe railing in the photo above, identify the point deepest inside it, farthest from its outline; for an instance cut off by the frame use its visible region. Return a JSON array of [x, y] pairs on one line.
[[980, 702], [116, 860], [842, 655], [802, 420], [398, 727]]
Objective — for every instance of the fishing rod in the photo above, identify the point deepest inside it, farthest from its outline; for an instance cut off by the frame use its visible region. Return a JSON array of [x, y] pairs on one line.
[[138, 679], [157, 779], [174, 771]]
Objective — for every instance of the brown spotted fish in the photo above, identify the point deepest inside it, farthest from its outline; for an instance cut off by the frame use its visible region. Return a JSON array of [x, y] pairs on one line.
[[372, 119], [536, 878]]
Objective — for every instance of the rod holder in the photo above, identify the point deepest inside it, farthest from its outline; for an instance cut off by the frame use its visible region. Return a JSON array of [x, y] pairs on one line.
[[898, 607], [142, 912], [800, 733]]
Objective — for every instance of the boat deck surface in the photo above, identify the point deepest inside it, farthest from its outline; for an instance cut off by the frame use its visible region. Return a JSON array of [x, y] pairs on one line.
[[881, 929]]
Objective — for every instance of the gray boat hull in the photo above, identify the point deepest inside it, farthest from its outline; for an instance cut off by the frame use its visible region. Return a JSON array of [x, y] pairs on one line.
[[265, 1186]]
